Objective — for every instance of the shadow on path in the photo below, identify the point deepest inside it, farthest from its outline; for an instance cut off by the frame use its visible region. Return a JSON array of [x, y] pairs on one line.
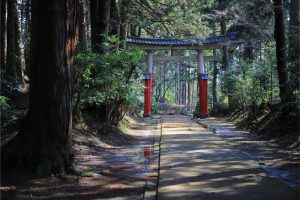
[[196, 164]]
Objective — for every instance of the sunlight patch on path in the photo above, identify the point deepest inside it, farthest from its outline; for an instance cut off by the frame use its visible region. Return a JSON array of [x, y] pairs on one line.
[[196, 164]]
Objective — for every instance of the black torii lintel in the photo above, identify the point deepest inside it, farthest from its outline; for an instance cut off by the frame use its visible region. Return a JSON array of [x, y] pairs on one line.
[[173, 43]]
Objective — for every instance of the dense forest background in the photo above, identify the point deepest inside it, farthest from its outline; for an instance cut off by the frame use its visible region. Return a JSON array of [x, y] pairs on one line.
[[61, 59]]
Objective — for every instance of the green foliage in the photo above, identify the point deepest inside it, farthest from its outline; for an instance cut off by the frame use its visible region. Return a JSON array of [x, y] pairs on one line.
[[113, 79], [252, 82], [5, 111], [9, 84], [168, 18]]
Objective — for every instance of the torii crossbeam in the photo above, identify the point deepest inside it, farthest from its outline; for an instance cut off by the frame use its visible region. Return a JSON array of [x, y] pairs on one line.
[[150, 45]]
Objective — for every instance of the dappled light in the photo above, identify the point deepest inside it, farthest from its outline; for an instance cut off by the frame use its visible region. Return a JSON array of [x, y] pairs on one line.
[[197, 164], [150, 99]]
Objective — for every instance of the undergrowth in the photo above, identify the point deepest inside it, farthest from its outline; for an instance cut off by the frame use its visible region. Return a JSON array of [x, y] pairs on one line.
[[278, 122]]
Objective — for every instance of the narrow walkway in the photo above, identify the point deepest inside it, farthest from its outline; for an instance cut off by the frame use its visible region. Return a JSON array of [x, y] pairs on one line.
[[196, 164]]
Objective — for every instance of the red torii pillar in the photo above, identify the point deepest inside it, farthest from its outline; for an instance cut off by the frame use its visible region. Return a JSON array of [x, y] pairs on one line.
[[148, 85], [202, 85]]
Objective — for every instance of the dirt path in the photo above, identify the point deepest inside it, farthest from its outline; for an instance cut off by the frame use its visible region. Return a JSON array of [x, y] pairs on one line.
[[116, 170], [196, 164]]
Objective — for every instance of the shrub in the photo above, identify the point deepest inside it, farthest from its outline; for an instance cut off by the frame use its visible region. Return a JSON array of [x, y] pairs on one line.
[[5, 111], [112, 80]]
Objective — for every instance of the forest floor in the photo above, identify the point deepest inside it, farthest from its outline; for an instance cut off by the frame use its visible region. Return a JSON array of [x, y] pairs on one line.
[[121, 164], [124, 163]]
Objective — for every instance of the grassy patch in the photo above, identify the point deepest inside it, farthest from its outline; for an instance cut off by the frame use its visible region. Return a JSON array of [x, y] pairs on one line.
[[87, 174]]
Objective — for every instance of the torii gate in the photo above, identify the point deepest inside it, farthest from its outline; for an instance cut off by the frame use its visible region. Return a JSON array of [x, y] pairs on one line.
[[150, 45]]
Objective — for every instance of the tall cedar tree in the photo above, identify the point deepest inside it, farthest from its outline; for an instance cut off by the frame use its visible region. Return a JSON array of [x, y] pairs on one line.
[[114, 22], [100, 15], [27, 26], [225, 56], [11, 65], [215, 76], [0, 34], [44, 143], [124, 22], [82, 24], [3, 33], [12, 57], [294, 44], [279, 28]]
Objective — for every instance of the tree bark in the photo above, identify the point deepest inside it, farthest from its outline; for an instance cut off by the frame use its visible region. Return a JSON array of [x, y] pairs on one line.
[[189, 89], [294, 44], [100, 14], [133, 30], [114, 23], [192, 93], [27, 17], [295, 15], [279, 36], [225, 56], [95, 32], [20, 60], [27, 33], [11, 68], [164, 83], [214, 82], [178, 82], [124, 22], [248, 53], [15, 55], [82, 36], [44, 143], [139, 31], [3, 33]]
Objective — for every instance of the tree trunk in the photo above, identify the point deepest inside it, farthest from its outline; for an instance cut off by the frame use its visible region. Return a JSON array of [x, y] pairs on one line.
[[139, 31], [225, 56], [27, 33], [133, 30], [178, 82], [192, 94], [214, 82], [124, 22], [3, 33], [114, 22], [27, 16], [248, 54], [100, 14], [182, 84], [44, 143], [22, 20], [295, 15], [164, 83], [215, 76], [294, 44], [82, 24], [160, 81], [279, 29], [11, 39], [20, 60], [189, 89]]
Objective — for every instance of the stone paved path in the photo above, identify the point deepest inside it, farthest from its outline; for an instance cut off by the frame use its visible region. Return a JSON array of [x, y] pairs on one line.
[[196, 164]]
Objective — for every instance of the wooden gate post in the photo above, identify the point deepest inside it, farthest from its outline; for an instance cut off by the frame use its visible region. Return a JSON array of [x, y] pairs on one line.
[[202, 85], [148, 85]]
